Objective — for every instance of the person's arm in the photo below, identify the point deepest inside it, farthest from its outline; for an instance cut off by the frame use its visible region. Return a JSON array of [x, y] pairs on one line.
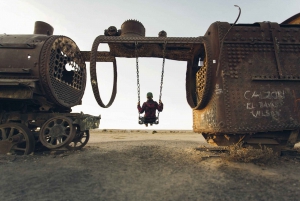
[[160, 106], [141, 109]]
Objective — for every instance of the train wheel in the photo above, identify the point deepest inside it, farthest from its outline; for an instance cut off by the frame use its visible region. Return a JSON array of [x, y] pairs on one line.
[[16, 138], [57, 132], [80, 140]]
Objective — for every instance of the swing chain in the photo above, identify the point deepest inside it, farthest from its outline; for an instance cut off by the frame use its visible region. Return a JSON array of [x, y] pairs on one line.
[[162, 70], [137, 71]]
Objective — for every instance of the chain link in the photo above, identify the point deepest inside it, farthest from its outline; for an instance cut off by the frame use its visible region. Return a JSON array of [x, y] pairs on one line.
[[162, 75], [137, 71], [162, 70]]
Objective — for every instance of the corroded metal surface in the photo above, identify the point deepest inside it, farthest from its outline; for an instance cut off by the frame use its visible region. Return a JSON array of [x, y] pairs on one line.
[[63, 72], [247, 82], [295, 19], [257, 87], [199, 78], [55, 63], [41, 77], [242, 80], [16, 138], [43, 28], [132, 28], [57, 132], [80, 140]]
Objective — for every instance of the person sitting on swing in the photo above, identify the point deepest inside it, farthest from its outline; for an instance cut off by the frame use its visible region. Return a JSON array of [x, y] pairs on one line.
[[150, 108]]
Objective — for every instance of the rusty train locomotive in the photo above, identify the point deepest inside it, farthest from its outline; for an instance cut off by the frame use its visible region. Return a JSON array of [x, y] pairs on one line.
[[246, 90], [41, 77]]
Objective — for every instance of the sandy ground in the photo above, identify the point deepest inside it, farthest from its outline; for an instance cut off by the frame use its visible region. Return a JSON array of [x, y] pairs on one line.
[[138, 165]]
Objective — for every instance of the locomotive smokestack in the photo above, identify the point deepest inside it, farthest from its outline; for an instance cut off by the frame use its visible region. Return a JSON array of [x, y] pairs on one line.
[[43, 28]]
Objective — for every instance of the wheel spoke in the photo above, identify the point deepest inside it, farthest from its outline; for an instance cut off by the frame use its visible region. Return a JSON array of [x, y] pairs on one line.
[[65, 128], [11, 132], [3, 134], [22, 139], [80, 141], [52, 140], [59, 140]]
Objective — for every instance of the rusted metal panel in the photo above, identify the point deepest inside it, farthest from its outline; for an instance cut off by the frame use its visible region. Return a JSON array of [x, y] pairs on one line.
[[54, 60], [41, 77], [258, 85], [295, 19], [178, 48], [15, 92], [101, 56]]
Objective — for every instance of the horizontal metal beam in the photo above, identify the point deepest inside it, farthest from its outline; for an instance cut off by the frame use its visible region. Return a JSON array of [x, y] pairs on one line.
[[148, 40]]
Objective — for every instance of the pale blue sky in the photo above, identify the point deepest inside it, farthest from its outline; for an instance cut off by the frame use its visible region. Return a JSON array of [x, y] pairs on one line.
[[83, 20]]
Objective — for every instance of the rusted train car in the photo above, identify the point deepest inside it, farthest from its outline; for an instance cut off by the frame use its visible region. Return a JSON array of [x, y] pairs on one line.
[[41, 77]]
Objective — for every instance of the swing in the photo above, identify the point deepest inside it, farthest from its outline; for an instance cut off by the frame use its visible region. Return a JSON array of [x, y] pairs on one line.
[[143, 120]]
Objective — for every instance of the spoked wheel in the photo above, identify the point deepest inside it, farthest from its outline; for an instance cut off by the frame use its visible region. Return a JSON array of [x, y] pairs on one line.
[[17, 138], [57, 132], [80, 140]]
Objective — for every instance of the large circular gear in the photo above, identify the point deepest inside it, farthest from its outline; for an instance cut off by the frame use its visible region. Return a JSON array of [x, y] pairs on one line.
[[57, 132], [16, 138], [133, 28]]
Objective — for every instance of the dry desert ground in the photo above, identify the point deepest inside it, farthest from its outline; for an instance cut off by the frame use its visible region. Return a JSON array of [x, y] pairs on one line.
[[145, 165]]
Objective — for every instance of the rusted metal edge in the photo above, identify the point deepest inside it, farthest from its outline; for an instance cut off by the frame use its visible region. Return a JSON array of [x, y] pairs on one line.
[[15, 70], [156, 40], [258, 42], [16, 82], [17, 45], [267, 78], [295, 19], [248, 42], [93, 74], [101, 56]]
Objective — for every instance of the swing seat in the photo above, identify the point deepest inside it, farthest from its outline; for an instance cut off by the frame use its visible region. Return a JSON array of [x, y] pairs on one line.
[[143, 120]]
